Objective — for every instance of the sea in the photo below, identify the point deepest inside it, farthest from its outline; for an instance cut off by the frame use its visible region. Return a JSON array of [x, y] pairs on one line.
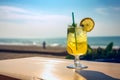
[[94, 42]]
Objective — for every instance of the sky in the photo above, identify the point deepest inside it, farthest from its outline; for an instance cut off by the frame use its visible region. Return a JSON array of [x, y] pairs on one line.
[[50, 18]]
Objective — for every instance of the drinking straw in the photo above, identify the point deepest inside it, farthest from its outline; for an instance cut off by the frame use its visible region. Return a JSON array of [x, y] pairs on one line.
[[73, 19], [73, 24]]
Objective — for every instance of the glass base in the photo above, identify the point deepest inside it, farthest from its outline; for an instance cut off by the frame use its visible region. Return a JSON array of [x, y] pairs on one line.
[[78, 67]]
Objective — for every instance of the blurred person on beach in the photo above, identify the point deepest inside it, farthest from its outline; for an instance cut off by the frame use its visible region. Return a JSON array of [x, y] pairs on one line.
[[44, 45]]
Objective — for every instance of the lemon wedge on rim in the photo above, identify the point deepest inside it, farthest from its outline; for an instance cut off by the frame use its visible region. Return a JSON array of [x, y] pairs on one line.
[[87, 24]]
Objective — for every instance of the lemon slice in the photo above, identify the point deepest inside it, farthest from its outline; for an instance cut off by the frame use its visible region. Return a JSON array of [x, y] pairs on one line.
[[87, 24]]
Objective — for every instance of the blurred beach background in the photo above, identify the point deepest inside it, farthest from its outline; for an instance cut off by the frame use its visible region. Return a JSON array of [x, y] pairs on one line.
[[26, 24]]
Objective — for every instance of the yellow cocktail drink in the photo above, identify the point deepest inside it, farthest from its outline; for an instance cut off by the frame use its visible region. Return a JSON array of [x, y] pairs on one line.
[[76, 41]]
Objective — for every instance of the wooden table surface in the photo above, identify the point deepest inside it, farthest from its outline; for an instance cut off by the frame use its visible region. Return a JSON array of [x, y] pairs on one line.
[[42, 68]]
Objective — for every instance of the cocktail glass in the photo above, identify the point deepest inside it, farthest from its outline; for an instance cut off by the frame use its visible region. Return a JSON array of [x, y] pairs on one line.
[[76, 45]]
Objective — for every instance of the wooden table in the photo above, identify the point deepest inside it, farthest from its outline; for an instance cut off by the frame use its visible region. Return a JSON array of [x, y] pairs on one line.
[[41, 68]]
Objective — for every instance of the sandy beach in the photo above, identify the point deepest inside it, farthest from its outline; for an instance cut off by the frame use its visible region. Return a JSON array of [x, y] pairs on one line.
[[20, 51]]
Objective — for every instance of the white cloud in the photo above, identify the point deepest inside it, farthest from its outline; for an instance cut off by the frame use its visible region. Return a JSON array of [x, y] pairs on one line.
[[102, 11], [13, 9], [32, 25], [108, 10], [15, 13], [116, 8]]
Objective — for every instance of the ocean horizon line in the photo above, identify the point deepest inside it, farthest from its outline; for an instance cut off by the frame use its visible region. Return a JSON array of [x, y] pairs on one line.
[[92, 41]]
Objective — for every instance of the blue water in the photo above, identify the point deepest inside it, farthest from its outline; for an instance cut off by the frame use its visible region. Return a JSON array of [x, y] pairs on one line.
[[93, 41], [103, 41]]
